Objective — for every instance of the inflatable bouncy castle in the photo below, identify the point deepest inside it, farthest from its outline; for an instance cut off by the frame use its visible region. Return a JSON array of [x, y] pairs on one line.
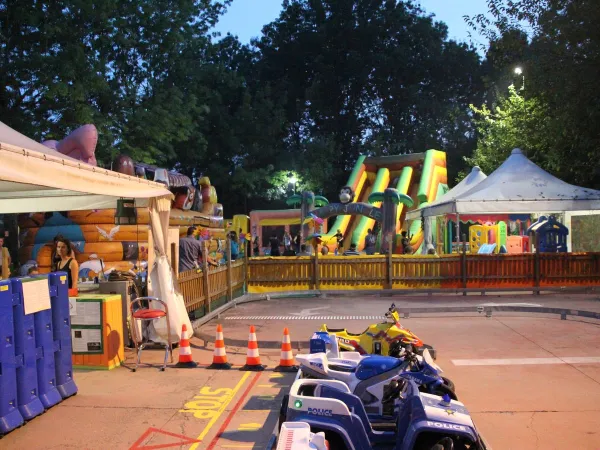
[[117, 239]]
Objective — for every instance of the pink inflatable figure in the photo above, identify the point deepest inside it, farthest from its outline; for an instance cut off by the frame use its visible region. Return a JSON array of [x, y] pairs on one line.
[[80, 144]]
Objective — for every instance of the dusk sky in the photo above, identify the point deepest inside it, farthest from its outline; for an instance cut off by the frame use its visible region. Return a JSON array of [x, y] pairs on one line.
[[245, 18]]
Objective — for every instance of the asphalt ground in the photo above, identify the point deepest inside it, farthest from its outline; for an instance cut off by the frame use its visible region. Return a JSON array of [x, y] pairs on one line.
[[529, 381]]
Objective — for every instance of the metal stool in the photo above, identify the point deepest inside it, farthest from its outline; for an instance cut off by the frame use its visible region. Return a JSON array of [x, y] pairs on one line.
[[149, 314]]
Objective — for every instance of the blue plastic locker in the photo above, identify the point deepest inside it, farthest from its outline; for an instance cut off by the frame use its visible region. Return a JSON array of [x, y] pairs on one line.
[[10, 416], [61, 323], [44, 343], [28, 398]]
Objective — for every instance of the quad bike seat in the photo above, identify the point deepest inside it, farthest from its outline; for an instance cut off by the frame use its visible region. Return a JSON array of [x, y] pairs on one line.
[[343, 330], [342, 368]]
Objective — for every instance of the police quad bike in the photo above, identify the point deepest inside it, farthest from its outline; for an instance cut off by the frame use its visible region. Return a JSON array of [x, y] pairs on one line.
[[415, 420], [378, 337], [368, 376], [323, 342]]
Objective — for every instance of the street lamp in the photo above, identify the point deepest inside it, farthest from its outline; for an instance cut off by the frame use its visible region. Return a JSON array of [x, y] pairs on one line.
[[519, 71], [292, 180]]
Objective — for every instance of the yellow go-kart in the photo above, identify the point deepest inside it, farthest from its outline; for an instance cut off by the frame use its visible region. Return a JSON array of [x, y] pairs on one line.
[[379, 337]]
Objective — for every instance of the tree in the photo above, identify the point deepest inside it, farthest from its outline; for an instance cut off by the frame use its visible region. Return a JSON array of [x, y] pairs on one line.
[[561, 67], [516, 122], [70, 62], [360, 76]]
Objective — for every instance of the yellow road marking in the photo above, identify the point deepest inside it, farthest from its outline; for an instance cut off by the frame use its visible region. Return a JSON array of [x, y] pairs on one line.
[[221, 410], [276, 375], [266, 397], [266, 385], [250, 427]]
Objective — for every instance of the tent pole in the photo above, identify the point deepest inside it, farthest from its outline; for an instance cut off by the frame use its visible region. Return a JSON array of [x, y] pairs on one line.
[[457, 232]]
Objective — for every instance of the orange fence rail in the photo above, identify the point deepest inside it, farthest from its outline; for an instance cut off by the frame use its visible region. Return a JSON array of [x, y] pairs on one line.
[[268, 274], [223, 282]]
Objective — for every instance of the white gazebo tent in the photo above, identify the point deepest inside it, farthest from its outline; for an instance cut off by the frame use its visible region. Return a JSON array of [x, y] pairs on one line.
[[518, 186], [467, 183], [35, 178]]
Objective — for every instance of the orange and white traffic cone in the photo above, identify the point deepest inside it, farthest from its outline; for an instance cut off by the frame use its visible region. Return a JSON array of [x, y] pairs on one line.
[[286, 362], [185, 351], [252, 356], [219, 354]]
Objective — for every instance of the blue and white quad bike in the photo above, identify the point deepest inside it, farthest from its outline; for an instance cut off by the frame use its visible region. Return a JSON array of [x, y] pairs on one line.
[[366, 376], [421, 421]]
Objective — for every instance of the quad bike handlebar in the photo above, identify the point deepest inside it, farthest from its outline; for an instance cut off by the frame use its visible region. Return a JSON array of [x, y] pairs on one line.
[[391, 312], [394, 390]]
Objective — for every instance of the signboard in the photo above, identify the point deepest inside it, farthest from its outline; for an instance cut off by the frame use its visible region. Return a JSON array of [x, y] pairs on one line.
[[36, 296], [86, 325], [87, 313], [87, 340], [336, 209]]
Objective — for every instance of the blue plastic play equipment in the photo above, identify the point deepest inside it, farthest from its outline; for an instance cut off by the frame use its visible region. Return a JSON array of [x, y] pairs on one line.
[[36, 370], [551, 233]]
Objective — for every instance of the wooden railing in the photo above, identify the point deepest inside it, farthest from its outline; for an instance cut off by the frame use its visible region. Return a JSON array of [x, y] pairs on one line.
[[269, 274], [209, 287]]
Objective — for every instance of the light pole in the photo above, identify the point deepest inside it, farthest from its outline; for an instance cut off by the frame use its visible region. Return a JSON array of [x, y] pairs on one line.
[[293, 180], [519, 71]]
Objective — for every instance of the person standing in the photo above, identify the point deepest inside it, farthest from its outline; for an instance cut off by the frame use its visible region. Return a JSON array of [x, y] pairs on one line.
[[298, 241], [256, 247], [370, 242], [55, 256], [287, 240], [67, 262], [406, 247], [4, 261], [340, 240], [235, 248], [274, 241], [190, 251]]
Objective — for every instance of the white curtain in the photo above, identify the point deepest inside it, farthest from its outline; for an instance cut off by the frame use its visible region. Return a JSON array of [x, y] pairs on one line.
[[163, 282]]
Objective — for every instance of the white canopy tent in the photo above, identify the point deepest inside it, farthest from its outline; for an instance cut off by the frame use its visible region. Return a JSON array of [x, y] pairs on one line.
[[35, 178], [519, 186]]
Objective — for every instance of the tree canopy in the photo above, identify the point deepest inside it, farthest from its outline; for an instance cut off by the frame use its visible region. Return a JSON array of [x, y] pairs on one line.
[[556, 43], [326, 81]]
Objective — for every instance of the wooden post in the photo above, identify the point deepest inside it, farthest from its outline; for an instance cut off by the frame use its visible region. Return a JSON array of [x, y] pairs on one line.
[[246, 261], [205, 247], [316, 281], [463, 263], [536, 269], [229, 282], [389, 262]]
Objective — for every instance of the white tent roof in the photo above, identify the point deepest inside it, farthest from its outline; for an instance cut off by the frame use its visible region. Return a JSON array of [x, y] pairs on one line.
[[467, 183], [35, 178], [519, 186]]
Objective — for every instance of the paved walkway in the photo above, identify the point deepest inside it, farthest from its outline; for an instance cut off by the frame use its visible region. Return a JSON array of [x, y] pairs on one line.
[[500, 366]]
